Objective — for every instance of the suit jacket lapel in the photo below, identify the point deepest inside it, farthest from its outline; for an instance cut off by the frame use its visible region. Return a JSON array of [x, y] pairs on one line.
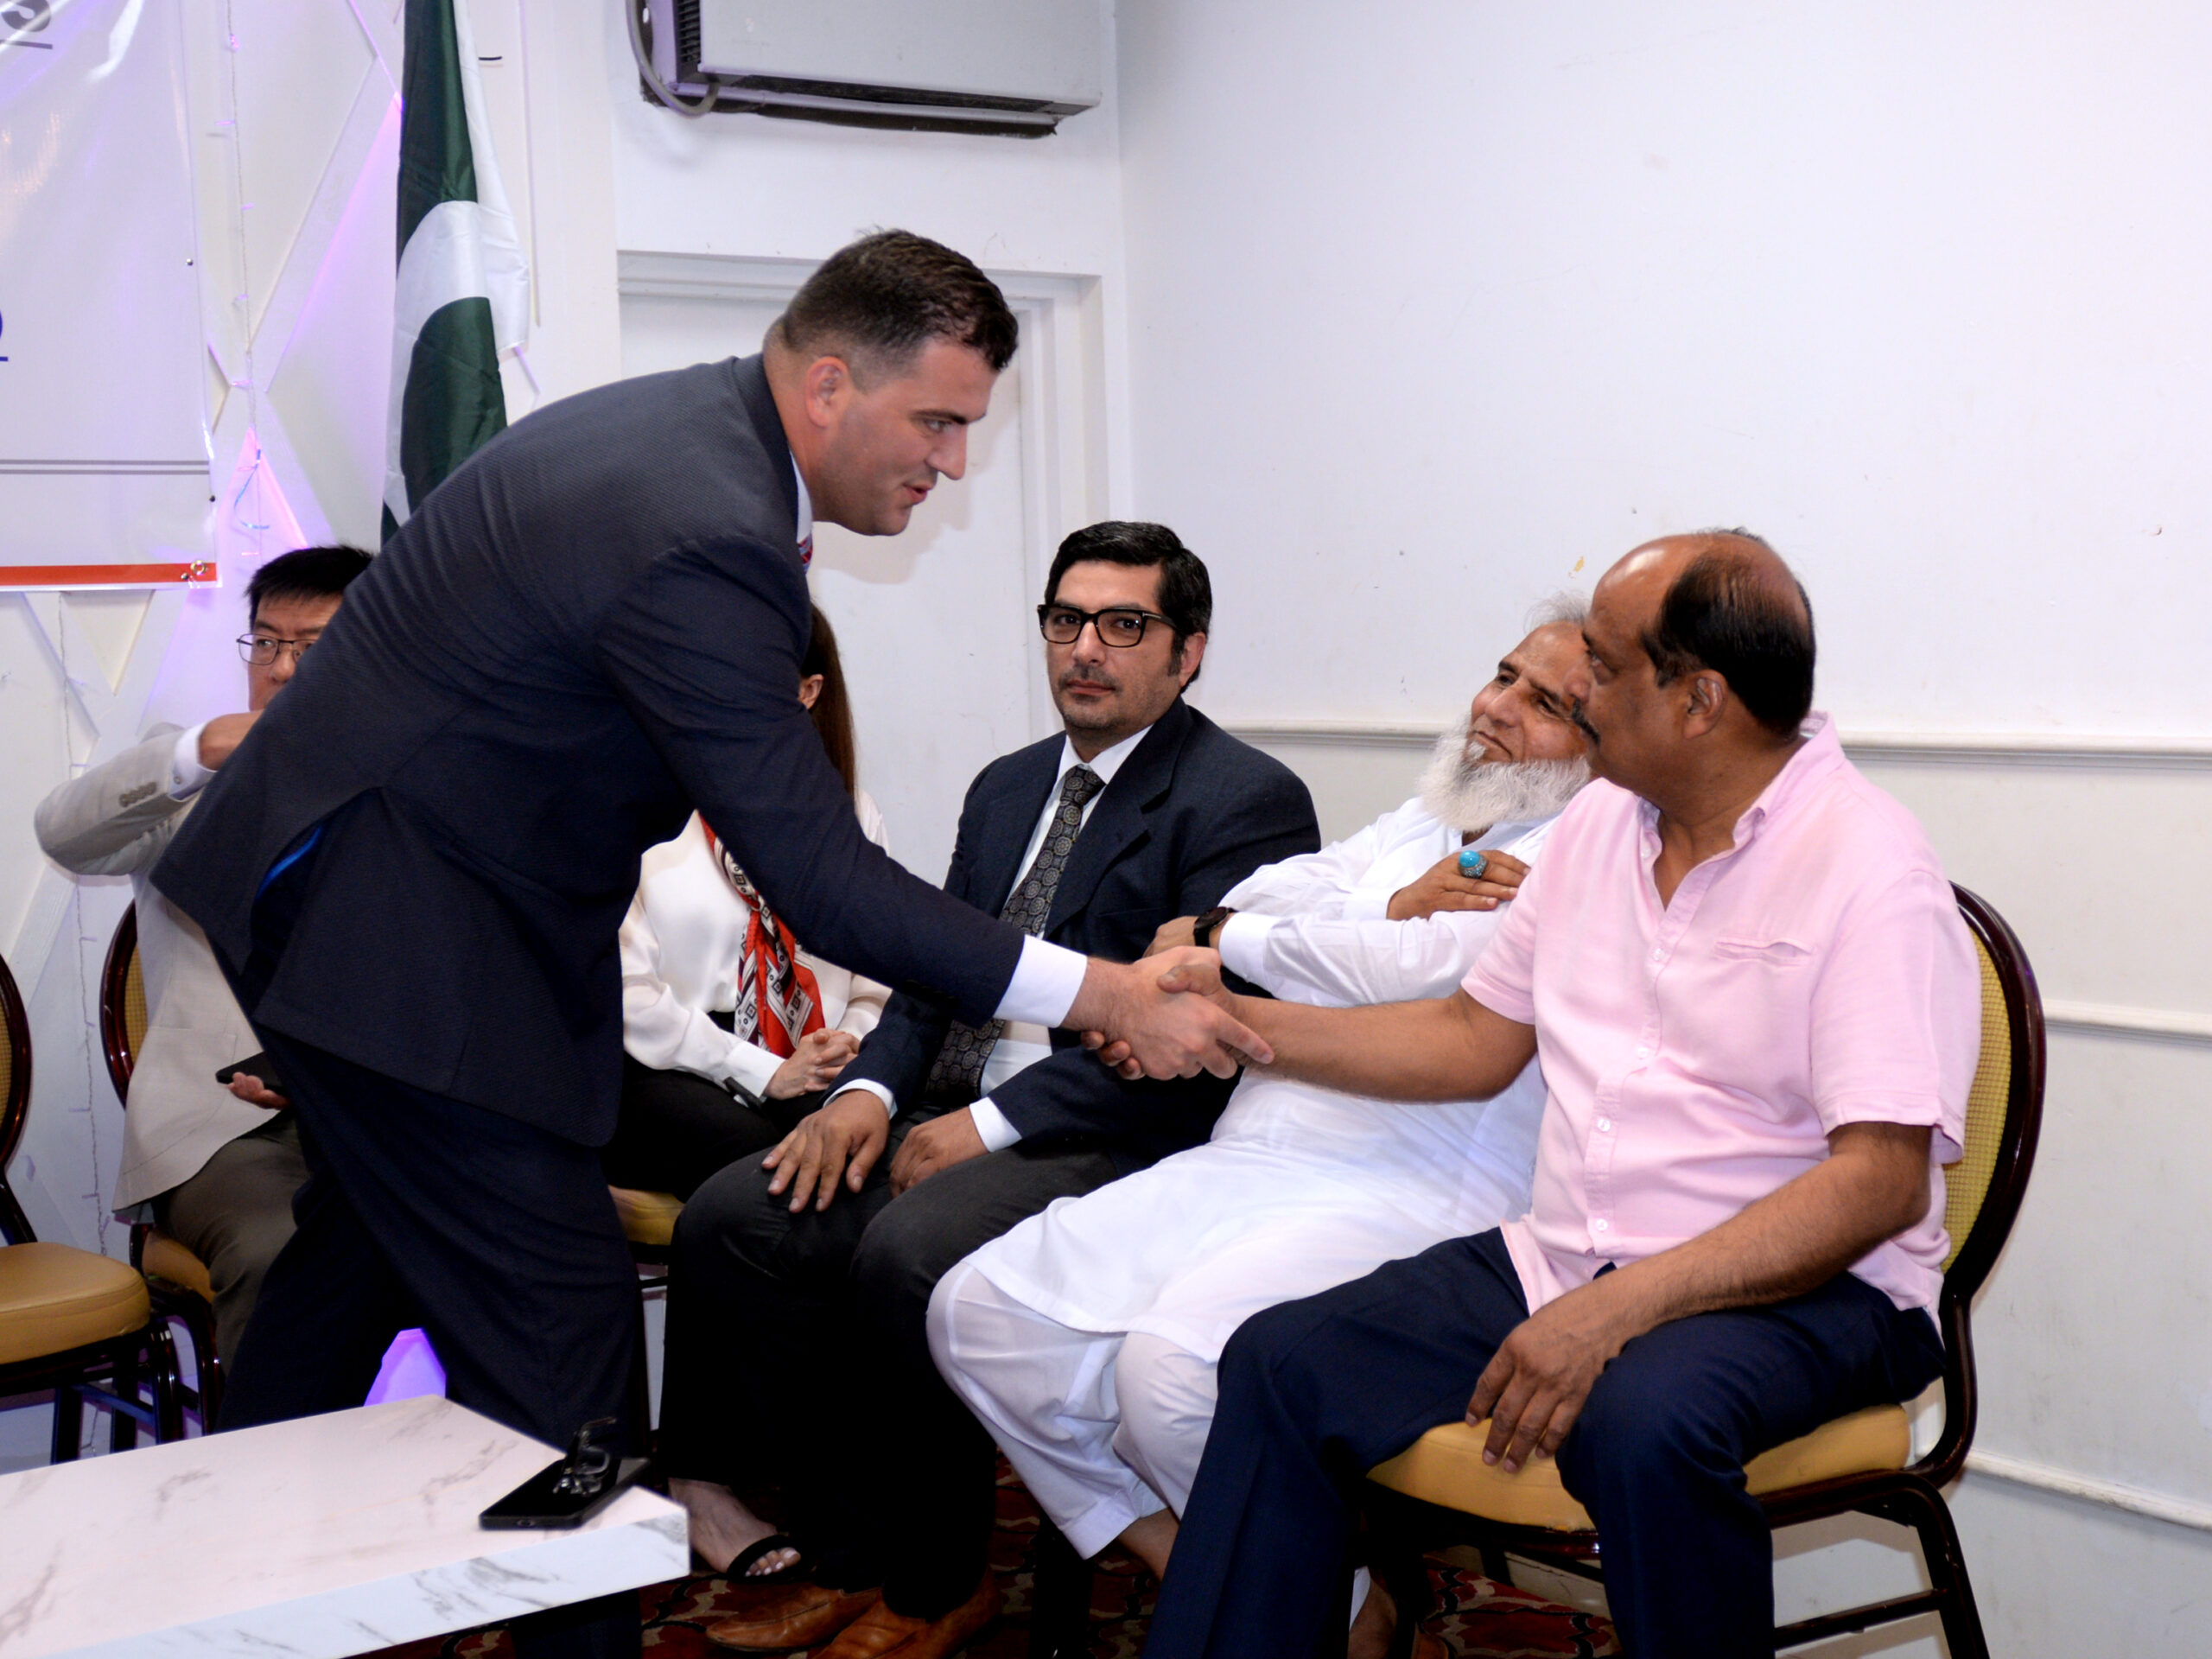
[[1118, 823], [1008, 819]]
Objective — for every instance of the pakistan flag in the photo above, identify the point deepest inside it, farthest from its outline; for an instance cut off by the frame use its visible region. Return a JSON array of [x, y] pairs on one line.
[[464, 287]]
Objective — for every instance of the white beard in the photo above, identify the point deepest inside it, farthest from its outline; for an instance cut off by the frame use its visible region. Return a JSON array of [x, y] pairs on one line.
[[1470, 794]]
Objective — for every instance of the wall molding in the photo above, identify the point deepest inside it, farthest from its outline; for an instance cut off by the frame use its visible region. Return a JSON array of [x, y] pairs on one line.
[[2102, 751], [2118, 1020], [1411, 740], [2091, 1489]]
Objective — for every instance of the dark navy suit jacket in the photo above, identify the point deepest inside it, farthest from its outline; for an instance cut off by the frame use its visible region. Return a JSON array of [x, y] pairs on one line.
[[1191, 813], [593, 627]]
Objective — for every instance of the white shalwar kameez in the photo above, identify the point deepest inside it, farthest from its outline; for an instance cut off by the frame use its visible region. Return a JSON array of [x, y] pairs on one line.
[[1086, 1338]]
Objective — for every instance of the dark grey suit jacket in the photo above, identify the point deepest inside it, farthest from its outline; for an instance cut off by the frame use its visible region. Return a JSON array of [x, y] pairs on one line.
[[593, 627], [1191, 813]]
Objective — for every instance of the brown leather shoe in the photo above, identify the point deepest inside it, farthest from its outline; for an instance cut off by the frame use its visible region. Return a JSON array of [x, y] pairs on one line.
[[780, 1616], [879, 1633]]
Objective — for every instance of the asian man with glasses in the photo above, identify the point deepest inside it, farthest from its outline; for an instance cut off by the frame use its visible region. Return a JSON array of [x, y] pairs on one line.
[[214, 1167]]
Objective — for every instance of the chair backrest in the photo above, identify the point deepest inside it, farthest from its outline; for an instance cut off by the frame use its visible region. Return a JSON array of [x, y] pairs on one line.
[[1982, 1190], [123, 1003], [15, 1102]]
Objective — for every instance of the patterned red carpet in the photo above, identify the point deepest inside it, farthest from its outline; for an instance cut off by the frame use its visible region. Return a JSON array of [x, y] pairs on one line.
[[1483, 1621]]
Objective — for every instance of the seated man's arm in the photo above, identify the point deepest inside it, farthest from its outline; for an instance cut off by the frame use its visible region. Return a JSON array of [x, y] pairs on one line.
[[1873, 1185], [117, 817], [1449, 1048], [1340, 964]]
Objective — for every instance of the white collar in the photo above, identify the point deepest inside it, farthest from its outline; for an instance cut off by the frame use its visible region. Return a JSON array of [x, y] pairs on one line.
[[1105, 762], [805, 505]]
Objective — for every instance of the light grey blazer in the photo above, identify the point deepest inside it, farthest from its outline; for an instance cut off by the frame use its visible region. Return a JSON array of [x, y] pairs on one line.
[[115, 820]]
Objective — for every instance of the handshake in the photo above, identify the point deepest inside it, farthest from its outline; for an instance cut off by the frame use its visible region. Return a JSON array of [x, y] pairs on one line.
[[1168, 1015]]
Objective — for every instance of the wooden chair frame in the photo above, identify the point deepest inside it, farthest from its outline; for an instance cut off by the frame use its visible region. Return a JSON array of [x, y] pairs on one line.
[[1911, 1496], [204, 1396], [106, 1375]]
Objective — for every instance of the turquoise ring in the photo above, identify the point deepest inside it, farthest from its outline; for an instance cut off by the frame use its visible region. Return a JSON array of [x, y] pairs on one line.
[[1472, 864]]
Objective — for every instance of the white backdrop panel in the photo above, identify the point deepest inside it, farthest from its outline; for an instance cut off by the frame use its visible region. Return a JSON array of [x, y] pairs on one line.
[[103, 452]]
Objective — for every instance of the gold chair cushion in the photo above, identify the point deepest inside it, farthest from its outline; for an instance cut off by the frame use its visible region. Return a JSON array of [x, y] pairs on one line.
[[164, 1258], [54, 1298], [1445, 1467], [647, 1217]]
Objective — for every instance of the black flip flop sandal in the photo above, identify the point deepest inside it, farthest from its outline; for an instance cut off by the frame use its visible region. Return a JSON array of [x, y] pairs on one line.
[[737, 1572]]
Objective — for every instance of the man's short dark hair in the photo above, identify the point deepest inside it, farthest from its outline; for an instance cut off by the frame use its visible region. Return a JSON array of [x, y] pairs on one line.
[[878, 302], [1726, 614], [1186, 590], [310, 573]]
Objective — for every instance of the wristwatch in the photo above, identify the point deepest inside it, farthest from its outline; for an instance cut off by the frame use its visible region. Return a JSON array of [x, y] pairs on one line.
[[1202, 931]]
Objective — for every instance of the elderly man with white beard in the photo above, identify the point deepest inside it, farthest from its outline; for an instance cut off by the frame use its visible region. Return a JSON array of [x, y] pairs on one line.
[[1086, 1338]]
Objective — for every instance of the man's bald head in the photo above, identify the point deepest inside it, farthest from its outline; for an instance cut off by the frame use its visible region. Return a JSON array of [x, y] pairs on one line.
[[1724, 600]]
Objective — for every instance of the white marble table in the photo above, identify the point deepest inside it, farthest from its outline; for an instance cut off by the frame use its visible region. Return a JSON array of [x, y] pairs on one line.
[[331, 1535]]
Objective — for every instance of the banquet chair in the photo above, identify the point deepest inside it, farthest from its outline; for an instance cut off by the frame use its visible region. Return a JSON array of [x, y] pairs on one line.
[[1438, 1492], [73, 1322]]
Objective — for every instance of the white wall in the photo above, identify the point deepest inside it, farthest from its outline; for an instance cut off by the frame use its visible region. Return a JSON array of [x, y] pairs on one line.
[[1431, 306], [1434, 309]]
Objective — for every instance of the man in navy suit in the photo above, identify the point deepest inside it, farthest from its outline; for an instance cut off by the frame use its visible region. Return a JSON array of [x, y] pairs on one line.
[[797, 1349], [413, 868]]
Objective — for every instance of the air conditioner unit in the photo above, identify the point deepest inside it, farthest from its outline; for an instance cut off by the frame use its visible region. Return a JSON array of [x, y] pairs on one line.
[[1008, 66]]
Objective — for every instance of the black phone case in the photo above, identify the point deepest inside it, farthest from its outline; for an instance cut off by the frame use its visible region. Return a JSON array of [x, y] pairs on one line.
[[535, 1503]]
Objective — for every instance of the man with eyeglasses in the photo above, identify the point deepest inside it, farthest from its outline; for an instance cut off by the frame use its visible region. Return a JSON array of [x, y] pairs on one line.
[[215, 1168], [798, 1285]]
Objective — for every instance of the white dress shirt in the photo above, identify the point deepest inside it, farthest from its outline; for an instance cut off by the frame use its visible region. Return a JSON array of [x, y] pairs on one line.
[[1352, 882], [682, 943], [1025, 1041], [186, 776]]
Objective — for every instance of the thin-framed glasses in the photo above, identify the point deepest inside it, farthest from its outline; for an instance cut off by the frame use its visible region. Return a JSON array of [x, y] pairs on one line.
[[259, 650], [1119, 626]]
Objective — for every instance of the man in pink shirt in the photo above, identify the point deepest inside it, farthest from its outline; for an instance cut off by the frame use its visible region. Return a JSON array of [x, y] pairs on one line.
[[1758, 1016]]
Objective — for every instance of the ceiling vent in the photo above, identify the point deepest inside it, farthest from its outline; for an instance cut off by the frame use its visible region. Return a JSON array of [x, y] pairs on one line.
[[1012, 67]]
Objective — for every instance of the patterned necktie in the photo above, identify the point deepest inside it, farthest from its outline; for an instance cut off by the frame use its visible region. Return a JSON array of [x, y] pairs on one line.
[[958, 1073]]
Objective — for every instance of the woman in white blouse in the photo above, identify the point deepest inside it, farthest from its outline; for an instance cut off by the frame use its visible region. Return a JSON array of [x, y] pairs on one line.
[[731, 1031]]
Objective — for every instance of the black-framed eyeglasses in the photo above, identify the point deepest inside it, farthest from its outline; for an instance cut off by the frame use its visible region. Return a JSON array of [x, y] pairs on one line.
[[261, 649], [1119, 626]]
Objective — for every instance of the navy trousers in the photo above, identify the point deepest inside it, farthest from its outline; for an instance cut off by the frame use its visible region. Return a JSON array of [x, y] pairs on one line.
[[1314, 1393], [497, 1238]]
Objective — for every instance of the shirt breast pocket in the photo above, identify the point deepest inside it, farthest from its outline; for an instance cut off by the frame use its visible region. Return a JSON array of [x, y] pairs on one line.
[[1743, 1018], [1781, 954]]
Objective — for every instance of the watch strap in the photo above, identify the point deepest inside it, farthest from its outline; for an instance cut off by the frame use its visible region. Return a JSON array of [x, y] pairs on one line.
[[1203, 930]]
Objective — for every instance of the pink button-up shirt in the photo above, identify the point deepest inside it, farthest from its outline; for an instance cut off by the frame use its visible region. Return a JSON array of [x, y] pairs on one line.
[[1698, 1054]]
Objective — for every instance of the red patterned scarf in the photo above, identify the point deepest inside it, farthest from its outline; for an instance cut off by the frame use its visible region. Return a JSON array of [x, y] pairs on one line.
[[777, 1001]]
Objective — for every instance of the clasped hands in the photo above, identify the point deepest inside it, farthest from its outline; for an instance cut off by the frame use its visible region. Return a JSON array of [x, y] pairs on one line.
[[1187, 972]]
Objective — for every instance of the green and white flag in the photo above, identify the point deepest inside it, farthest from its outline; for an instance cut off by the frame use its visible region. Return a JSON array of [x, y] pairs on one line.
[[464, 286]]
